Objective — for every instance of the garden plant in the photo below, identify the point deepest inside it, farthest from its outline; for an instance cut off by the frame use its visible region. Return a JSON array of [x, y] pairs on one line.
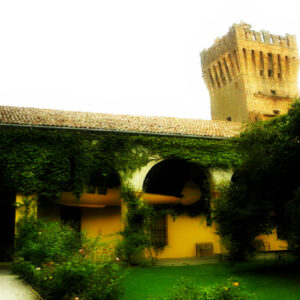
[[61, 263]]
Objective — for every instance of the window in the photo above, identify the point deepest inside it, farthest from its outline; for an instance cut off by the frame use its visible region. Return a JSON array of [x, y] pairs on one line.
[[279, 66], [245, 57], [90, 189], [270, 65], [261, 62], [159, 231], [101, 190]]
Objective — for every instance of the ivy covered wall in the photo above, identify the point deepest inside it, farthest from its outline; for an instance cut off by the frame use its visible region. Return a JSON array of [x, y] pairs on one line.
[[49, 161]]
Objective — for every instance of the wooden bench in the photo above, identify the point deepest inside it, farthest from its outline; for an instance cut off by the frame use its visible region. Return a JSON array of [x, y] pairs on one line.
[[264, 248], [204, 249]]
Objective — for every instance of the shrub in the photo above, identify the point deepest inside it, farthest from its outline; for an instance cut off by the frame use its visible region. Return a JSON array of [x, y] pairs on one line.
[[61, 263], [39, 241], [25, 268]]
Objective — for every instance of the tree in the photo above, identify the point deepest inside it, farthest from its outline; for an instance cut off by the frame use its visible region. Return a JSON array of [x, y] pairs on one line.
[[265, 190]]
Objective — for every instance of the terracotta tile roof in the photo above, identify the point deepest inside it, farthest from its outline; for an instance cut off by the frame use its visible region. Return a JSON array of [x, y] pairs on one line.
[[122, 123]]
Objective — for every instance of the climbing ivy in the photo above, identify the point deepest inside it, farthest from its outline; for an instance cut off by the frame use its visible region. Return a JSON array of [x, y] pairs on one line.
[[49, 161], [138, 244], [205, 152]]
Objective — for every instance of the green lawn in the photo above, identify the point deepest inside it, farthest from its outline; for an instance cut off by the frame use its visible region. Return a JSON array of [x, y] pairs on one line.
[[271, 281]]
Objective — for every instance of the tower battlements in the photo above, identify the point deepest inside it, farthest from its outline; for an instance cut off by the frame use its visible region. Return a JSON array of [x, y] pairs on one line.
[[243, 32], [250, 74]]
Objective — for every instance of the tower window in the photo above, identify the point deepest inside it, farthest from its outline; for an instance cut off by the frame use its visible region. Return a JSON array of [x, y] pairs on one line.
[[231, 65], [222, 73], [236, 60], [227, 69], [253, 60], [270, 73], [273, 92], [287, 65], [245, 57], [217, 78], [261, 61], [270, 65], [279, 66], [211, 78]]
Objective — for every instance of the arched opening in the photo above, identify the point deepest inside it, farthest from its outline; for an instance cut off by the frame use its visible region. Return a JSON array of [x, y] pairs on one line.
[[182, 188], [185, 183]]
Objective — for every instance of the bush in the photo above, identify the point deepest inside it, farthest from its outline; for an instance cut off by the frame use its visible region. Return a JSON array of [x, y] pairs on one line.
[[40, 241], [185, 289], [61, 263], [24, 268]]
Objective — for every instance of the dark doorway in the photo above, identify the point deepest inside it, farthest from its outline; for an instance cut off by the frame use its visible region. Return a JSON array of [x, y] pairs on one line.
[[71, 215], [7, 224]]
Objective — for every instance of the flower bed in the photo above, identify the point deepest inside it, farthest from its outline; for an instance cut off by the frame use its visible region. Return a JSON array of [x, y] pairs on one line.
[[61, 263]]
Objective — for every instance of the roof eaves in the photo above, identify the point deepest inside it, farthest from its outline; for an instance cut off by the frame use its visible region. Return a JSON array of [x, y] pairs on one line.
[[54, 127]]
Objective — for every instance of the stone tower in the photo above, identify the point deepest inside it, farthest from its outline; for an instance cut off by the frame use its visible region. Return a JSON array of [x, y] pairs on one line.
[[250, 75]]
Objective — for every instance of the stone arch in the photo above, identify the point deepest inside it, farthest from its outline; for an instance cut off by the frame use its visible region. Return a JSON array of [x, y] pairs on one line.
[[176, 181], [185, 189], [218, 177], [136, 180]]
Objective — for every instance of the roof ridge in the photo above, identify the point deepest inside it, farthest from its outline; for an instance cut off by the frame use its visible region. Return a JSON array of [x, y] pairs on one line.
[[114, 122]]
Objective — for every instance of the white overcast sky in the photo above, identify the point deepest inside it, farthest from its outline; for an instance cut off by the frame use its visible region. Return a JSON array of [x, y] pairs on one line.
[[124, 57]]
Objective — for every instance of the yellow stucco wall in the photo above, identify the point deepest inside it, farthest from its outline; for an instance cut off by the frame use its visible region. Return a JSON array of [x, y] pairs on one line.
[[183, 234], [20, 207], [112, 197], [106, 220], [273, 241]]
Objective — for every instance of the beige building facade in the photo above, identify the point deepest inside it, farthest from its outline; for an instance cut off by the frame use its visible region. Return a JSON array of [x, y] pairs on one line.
[[250, 75]]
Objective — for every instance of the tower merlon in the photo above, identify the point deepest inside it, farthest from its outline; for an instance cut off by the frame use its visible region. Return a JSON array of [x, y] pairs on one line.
[[243, 31]]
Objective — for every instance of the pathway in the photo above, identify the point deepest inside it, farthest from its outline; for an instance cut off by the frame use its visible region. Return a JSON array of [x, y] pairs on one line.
[[12, 288], [188, 261]]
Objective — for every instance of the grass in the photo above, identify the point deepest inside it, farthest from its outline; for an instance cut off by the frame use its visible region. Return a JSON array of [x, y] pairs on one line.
[[271, 281]]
